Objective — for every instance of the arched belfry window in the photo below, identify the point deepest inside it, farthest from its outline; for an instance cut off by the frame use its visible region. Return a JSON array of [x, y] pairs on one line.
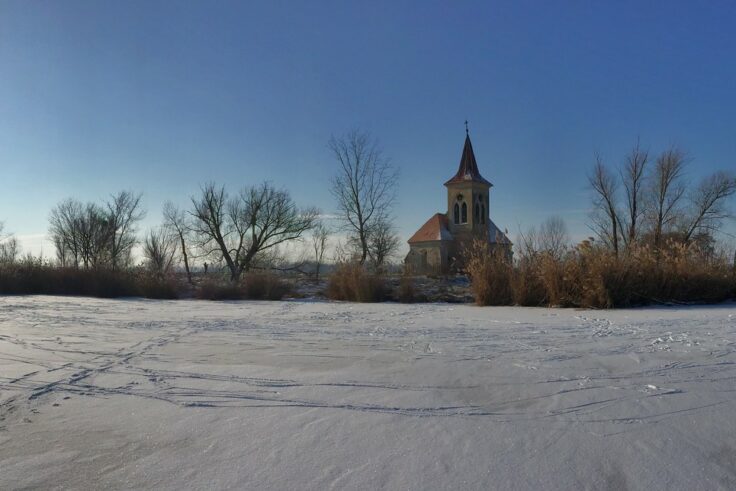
[[482, 213], [456, 213], [464, 218], [476, 215]]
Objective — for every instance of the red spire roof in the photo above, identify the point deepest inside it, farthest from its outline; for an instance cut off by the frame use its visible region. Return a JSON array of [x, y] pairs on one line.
[[468, 171]]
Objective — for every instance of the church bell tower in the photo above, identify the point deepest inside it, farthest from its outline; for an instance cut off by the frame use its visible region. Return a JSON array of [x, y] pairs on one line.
[[468, 204]]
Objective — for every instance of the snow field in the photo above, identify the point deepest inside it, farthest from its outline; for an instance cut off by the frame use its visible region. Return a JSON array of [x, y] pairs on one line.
[[311, 395]]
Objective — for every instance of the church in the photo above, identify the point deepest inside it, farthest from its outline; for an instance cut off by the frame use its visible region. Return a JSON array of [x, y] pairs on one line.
[[438, 246]]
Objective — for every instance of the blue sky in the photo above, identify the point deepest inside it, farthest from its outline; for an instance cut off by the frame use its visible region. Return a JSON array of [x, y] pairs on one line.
[[162, 96]]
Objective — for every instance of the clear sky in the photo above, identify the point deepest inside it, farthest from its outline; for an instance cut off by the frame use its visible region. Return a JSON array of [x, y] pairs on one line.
[[159, 97]]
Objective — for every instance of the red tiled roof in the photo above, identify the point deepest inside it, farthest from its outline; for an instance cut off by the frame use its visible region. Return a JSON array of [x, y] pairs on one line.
[[434, 229], [468, 171]]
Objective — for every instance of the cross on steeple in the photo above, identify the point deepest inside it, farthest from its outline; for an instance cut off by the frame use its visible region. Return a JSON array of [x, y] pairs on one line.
[[466, 127]]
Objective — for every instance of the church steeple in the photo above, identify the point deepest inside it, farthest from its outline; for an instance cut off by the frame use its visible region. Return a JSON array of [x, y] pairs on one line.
[[468, 170]]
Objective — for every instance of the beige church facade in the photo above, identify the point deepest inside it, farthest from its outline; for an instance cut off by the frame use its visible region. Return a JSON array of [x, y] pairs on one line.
[[439, 245]]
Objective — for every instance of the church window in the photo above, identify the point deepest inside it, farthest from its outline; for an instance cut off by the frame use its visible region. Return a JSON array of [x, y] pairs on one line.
[[476, 215], [482, 213], [456, 213], [464, 217]]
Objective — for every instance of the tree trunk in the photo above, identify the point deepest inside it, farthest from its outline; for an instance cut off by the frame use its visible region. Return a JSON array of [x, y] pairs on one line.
[[364, 248], [614, 230], [186, 259]]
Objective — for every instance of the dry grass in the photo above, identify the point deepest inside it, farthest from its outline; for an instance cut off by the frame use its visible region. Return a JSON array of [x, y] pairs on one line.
[[254, 286], [407, 291], [32, 277], [351, 281], [491, 274], [265, 286], [588, 276]]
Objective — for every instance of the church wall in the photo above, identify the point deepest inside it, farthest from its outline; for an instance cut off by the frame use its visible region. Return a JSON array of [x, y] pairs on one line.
[[428, 258]]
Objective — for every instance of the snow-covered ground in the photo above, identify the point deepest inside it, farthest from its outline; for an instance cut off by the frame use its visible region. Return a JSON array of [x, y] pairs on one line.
[[298, 395]]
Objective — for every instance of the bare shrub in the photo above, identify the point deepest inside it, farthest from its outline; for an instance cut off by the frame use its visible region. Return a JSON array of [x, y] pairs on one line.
[[159, 250], [253, 286], [527, 288], [265, 286], [158, 287], [407, 292], [350, 281], [595, 277], [33, 277], [680, 274], [490, 271], [218, 289]]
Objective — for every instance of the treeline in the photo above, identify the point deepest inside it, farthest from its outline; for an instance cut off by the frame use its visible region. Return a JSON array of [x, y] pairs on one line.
[[95, 245], [238, 239], [654, 242]]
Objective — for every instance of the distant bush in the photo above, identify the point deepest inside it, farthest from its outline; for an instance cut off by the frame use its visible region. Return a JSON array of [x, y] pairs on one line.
[[264, 286], [159, 287], [407, 292], [254, 286], [490, 270], [30, 277], [680, 274], [595, 277], [527, 287], [350, 281], [219, 289]]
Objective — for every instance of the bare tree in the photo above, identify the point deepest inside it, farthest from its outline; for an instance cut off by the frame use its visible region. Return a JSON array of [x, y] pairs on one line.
[[320, 236], [553, 237], [267, 217], [64, 222], [81, 234], [94, 233], [364, 186], [210, 226], [159, 250], [93, 236], [9, 248], [383, 242], [708, 204], [123, 213], [176, 221], [255, 221], [528, 242], [605, 212], [632, 177], [666, 193]]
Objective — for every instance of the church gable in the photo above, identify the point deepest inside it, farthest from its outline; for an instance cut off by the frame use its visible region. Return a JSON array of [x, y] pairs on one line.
[[434, 229]]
